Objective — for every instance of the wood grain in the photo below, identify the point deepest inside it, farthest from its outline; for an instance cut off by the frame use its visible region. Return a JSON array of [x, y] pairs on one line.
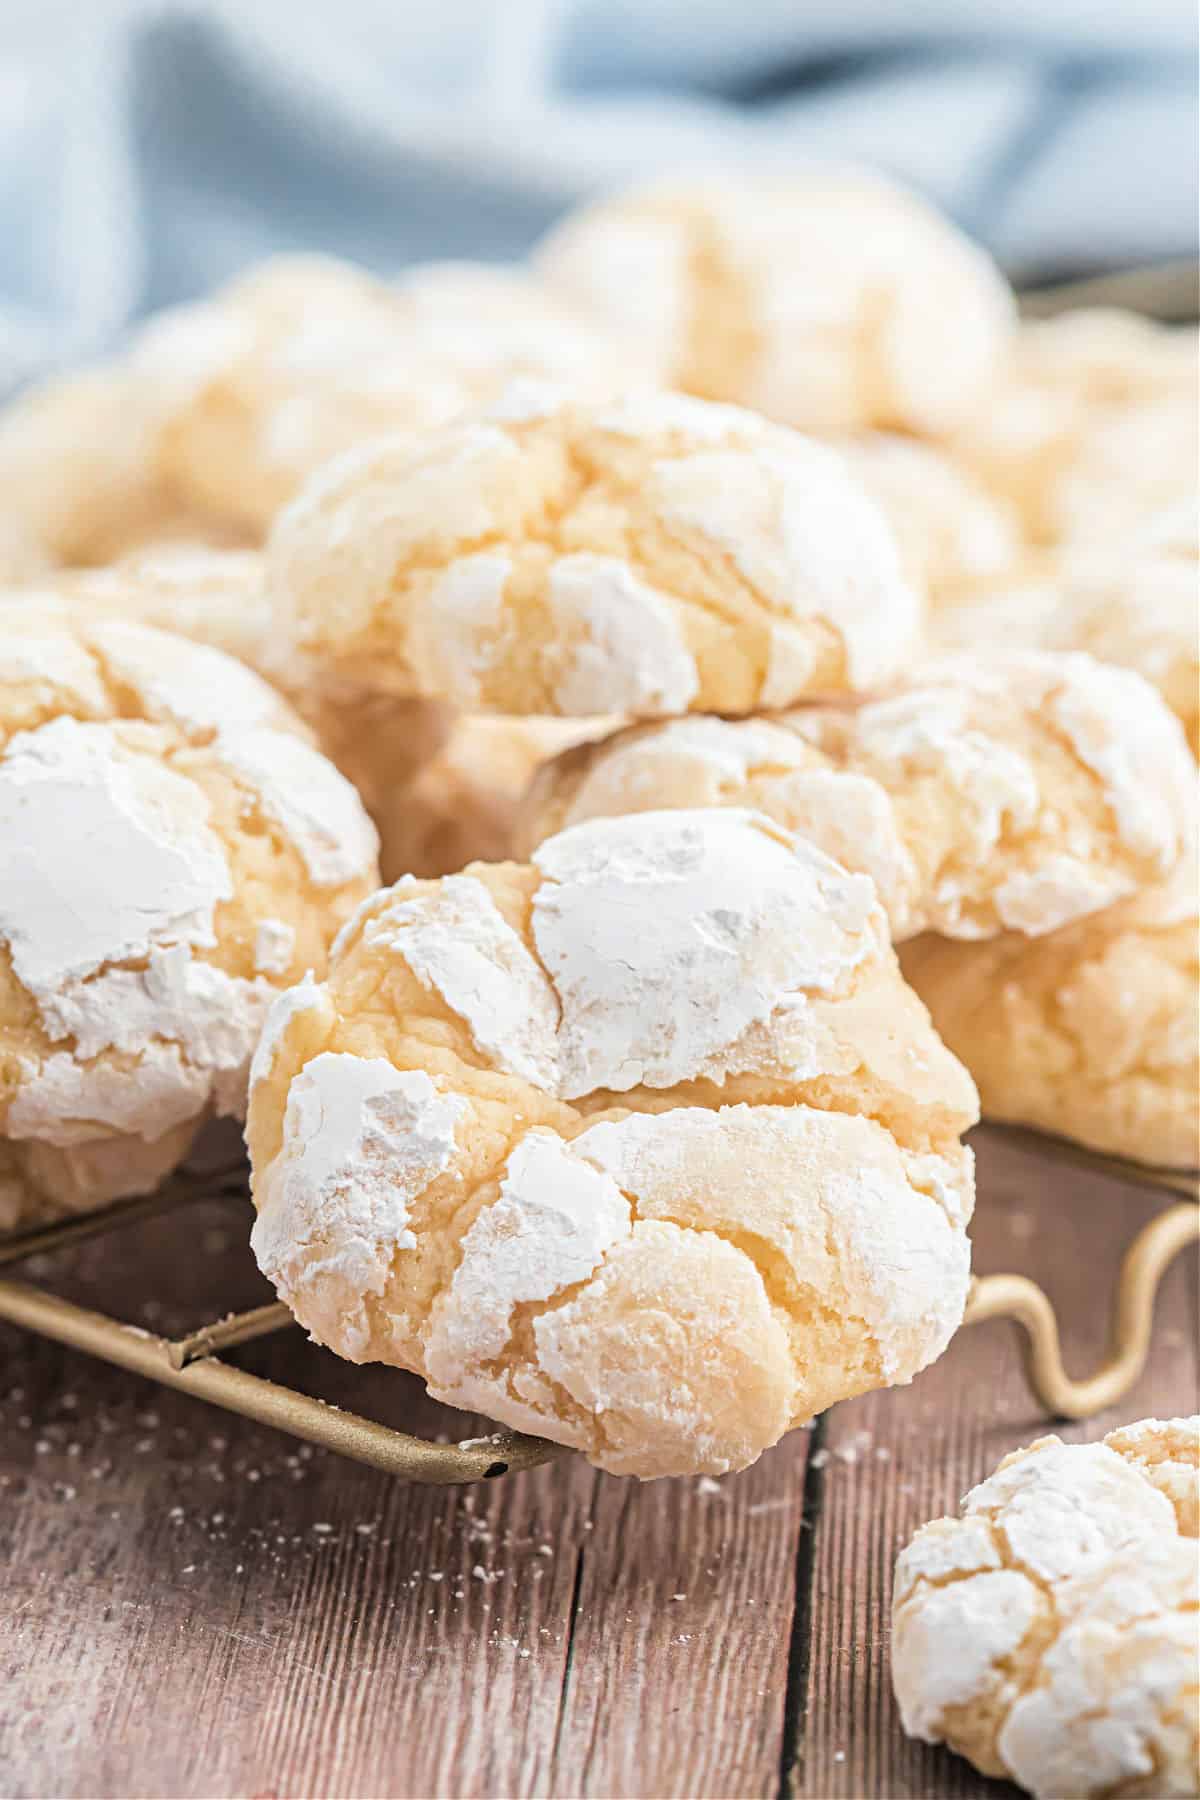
[[191, 1605]]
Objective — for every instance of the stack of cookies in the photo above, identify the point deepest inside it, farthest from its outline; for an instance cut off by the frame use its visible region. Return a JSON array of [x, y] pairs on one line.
[[764, 671]]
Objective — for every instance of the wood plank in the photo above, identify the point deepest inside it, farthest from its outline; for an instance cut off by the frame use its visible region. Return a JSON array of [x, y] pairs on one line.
[[679, 1665], [889, 1461], [197, 1606]]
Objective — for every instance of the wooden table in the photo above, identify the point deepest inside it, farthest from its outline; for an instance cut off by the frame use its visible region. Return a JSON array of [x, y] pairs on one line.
[[191, 1605]]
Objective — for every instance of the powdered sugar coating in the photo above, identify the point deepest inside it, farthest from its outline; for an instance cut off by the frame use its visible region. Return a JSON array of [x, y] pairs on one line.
[[799, 1100], [362, 1140], [1048, 1632], [1016, 791], [458, 943], [651, 555], [315, 805], [668, 937], [831, 299], [144, 927]]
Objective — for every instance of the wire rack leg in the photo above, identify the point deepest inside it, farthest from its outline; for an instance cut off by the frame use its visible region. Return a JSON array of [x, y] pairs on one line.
[[1144, 1264]]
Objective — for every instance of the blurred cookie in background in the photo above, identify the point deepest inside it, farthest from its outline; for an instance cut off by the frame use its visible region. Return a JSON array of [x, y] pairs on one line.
[[833, 299]]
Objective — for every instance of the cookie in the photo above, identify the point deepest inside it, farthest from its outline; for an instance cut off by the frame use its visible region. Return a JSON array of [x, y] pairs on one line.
[[1012, 792], [832, 300], [1048, 1633], [1133, 604], [1090, 1032], [304, 356], [22, 558], [652, 555], [643, 1146], [77, 466], [175, 853], [1090, 428], [953, 536], [216, 597], [462, 805]]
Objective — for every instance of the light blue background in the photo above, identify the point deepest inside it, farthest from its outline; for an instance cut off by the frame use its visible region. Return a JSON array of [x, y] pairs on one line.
[[147, 151]]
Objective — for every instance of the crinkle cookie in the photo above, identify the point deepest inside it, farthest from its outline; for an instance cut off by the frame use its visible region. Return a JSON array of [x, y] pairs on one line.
[[216, 597], [305, 356], [1090, 1032], [832, 300], [1091, 426], [22, 557], [77, 465], [645, 556], [174, 853], [1134, 605], [953, 535], [463, 804], [1048, 1633], [644, 1146], [1015, 792]]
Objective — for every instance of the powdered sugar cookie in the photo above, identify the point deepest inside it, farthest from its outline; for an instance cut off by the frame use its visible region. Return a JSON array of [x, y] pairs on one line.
[[645, 556], [1090, 1032], [644, 1146], [953, 536], [463, 804], [305, 356], [1048, 1633], [1014, 792], [175, 852], [1090, 428], [832, 300], [216, 597], [22, 558], [1134, 604], [77, 465]]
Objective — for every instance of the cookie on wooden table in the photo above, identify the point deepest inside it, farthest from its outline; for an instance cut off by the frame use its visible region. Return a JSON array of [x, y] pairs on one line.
[[643, 1146], [175, 852], [831, 299], [1016, 791], [1048, 1633], [652, 555]]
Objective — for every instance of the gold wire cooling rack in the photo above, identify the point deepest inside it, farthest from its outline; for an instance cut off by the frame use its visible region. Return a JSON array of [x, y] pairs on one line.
[[193, 1364]]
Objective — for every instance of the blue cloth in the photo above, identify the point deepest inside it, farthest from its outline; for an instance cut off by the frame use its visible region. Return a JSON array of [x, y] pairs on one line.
[[147, 152]]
